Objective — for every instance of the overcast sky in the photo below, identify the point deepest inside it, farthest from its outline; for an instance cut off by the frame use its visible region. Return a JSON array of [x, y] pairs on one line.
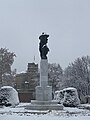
[[66, 21]]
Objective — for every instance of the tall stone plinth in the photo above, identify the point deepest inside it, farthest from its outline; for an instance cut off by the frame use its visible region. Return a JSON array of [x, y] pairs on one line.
[[44, 92], [44, 72]]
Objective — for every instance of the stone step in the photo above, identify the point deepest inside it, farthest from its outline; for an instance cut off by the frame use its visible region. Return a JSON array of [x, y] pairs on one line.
[[44, 102], [45, 107]]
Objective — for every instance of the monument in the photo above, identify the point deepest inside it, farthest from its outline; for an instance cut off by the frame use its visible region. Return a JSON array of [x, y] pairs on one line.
[[44, 91]]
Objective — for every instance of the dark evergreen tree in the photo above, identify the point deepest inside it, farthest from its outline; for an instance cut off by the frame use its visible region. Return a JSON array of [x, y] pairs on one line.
[[6, 61]]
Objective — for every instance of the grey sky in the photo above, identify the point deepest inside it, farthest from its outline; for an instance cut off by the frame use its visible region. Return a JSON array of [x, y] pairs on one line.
[[66, 21]]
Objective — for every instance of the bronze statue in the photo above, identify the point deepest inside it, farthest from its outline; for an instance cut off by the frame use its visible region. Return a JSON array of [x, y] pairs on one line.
[[43, 45]]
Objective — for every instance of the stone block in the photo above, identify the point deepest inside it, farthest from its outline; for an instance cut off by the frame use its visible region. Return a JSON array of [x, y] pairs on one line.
[[44, 93], [45, 107], [44, 72]]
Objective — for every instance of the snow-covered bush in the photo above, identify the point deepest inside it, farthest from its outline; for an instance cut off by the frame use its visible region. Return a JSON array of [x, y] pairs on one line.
[[68, 97], [59, 95], [8, 96]]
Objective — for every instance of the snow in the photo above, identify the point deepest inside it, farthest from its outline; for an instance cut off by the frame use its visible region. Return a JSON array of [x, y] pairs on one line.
[[26, 82], [10, 94], [6, 74], [41, 117], [6, 87], [86, 105], [69, 88], [19, 113]]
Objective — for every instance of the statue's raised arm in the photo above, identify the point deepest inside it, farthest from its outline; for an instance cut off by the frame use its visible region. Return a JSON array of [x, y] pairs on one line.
[[43, 45]]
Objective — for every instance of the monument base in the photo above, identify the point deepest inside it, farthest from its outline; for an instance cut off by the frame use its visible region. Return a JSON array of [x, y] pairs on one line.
[[44, 93], [44, 105]]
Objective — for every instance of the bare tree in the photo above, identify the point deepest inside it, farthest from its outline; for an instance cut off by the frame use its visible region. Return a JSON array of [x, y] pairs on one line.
[[77, 74], [55, 73]]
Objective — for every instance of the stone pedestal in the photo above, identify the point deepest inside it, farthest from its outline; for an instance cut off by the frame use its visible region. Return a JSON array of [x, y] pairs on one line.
[[44, 92], [44, 72]]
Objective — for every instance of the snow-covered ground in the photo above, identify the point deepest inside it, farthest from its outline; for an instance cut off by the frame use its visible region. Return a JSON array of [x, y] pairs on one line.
[[19, 113]]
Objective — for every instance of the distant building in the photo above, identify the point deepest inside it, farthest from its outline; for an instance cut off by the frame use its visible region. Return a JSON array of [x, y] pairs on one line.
[[25, 83]]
